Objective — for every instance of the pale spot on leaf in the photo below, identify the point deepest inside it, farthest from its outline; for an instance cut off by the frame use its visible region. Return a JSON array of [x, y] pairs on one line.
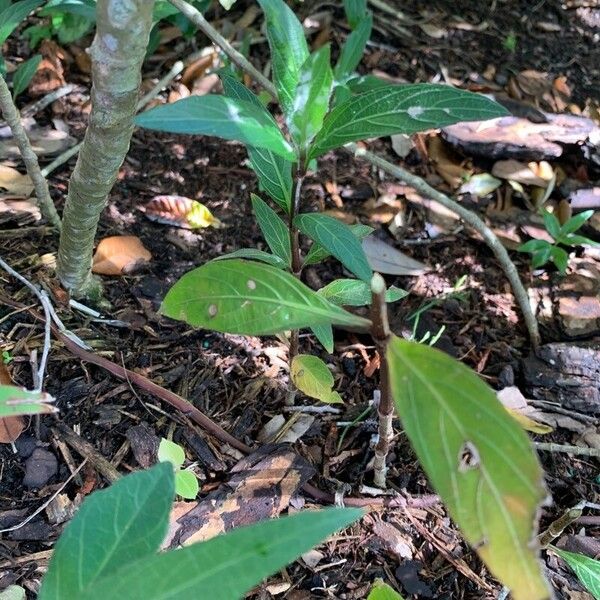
[[213, 310]]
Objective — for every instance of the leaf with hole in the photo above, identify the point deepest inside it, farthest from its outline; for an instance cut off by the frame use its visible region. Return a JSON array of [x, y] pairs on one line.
[[311, 98], [477, 458], [338, 239], [238, 296], [274, 172], [400, 109], [587, 569], [275, 231], [219, 116], [353, 292], [288, 47], [313, 378], [113, 529]]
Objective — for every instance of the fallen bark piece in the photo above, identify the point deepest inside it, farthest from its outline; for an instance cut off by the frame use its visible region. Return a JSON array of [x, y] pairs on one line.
[[568, 374], [520, 139], [260, 488]]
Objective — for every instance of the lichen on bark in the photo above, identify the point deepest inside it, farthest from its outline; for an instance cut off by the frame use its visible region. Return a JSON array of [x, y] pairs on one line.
[[122, 32]]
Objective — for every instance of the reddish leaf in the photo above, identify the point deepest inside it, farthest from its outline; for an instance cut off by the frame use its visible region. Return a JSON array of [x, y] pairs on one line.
[[180, 211]]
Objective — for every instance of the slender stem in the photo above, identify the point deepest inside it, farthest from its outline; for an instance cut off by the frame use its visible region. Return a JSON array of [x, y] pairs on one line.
[[417, 182], [381, 335], [40, 185]]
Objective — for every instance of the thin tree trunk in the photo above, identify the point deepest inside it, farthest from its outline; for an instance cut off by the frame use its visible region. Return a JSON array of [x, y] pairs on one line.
[[122, 31]]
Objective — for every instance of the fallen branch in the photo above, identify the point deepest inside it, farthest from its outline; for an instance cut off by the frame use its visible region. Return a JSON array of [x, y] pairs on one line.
[[40, 185], [417, 182]]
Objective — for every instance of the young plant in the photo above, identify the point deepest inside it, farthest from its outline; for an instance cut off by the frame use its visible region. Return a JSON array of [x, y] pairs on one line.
[[186, 484], [543, 251], [110, 548], [587, 569]]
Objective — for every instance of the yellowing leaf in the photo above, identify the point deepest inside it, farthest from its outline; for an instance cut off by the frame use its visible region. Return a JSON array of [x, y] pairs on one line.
[[119, 255], [477, 458], [312, 377], [180, 211], [529, 424], [14, 182]]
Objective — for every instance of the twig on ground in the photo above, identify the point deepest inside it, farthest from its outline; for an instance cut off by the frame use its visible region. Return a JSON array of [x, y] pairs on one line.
[[417, 182], [45, 302], [559, 525], [567, 449], [40, 185], [175, 70]]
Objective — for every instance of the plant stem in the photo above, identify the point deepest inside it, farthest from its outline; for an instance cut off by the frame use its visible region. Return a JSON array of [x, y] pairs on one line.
[[380, 332], [40, 185], [417, 182], [118, 50]]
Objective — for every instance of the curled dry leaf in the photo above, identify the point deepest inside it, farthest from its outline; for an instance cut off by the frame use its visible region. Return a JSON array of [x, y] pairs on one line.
[[10, 427], [522, 173], [179, 211], [384, 258], [14, 182], [119, 255]]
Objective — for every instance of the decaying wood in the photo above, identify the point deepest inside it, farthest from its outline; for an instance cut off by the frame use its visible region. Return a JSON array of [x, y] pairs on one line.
[[519, 138], [568, 374], [261, 487]]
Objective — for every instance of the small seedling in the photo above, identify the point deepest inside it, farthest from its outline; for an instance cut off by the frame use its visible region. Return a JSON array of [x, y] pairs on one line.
[[543, 251], [7, 357], [186, 483]]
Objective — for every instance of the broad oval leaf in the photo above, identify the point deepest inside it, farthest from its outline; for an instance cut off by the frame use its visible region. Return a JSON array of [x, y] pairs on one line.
[[219, 116], [238, 296], [275, 231], [587, 569], [312, 377], [186, 485], [311, 98], [353, 292], [353, 49], [227, 566], [254, 254], [401, 109], [382, 591], [288, 46], [317, 253], [477, 458], [338, 239], [16, 401], [112, 529], [169, 451], [274, 172]]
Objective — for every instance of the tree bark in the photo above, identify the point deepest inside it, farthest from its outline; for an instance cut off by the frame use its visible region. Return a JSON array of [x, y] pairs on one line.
[[118, 50]]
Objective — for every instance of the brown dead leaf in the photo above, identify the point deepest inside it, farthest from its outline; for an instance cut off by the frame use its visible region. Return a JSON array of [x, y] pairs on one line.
[[205, 85], [45, 141], [10, 427], [14, 182], [445, 163], [197, 69], [50, 74], [518, 171], [178, 92], [119, 255], [82, 59]]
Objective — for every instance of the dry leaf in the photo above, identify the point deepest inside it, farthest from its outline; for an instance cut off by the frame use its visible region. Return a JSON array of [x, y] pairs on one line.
[[10, 427], [518, 171], [45, 141], [179, 211], [449, 168], [49, 75], [119, 255], [14, 182], [516, 404], [383, 258]]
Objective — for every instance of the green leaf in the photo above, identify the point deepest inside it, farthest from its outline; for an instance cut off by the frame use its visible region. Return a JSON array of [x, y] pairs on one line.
[[338, 239], [13, 592], [575, 222], [219, 116], [288, 46], [317, 253], [169, 451], [312, 377], [324, 333], [356, 11], [14, 15], [186, 485], [254, 254], [237, 296], [572, 239], [275, 231], [112, 529], [587, 569], [477, 458], [353, 49], [401, 109], [533, 246], [274, 172], [551, 223], [227, 566], [382, 591], [311, 97], [541, 257], [560, 258], [16, 401], [24, 74], [353, 292]]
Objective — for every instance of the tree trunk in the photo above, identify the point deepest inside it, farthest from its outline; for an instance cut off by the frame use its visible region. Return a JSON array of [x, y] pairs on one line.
[[122, 31]]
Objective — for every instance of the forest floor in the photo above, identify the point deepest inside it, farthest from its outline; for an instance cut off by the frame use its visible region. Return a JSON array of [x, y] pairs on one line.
[[543, 55]]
